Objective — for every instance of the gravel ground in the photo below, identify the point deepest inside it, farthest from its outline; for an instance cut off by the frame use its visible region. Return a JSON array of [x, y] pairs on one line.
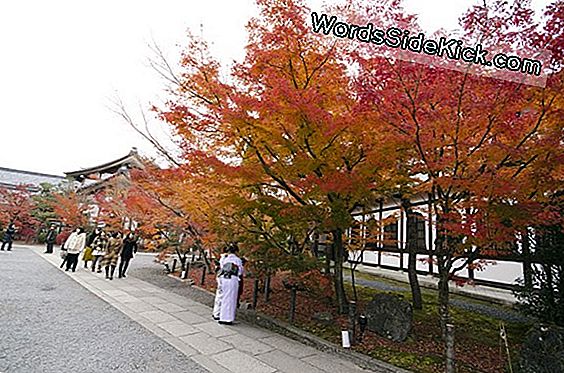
[[498, 312], [144, 268], [49, 323]]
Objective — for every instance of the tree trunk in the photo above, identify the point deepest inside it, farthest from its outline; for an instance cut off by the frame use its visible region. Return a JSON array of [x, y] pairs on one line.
[[549, 285], [444, 314], [353, 281], [414, 281], [338, 269], [411, 244], [526, 254]]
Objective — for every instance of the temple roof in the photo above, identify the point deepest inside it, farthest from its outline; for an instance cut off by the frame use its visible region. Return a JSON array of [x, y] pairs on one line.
[[10, 178], [131, 160]]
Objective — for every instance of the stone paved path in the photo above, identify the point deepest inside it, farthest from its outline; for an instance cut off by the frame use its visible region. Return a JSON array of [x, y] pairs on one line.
[[188, 326]]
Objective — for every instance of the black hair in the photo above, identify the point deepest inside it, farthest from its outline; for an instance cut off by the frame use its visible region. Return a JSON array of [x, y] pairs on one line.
[[232, 248]]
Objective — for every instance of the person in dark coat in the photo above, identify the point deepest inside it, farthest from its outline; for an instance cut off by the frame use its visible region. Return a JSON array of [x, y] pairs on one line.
[[129, 247], [50, 239], [9, 236]]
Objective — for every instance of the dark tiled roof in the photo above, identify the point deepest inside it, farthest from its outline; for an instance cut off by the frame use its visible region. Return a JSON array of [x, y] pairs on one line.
[[10, 178], [132, 160]]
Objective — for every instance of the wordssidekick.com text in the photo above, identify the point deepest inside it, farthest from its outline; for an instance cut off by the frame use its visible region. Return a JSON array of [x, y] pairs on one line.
[[397, 38]]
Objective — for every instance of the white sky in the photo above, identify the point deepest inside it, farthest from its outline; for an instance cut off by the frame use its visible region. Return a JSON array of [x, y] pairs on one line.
[[62, 61]]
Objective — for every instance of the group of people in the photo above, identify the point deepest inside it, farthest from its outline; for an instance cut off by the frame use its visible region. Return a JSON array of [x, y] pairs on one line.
[[229, 285], [102, 248]]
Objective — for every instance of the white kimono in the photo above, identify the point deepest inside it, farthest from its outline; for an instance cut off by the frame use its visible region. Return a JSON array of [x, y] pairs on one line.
[[217, 301], [230, 290]]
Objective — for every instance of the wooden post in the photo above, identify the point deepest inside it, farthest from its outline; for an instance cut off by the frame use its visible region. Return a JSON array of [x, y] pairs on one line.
[[174, 262], [255, 293], [203, 280], [189, 265], [352, 322], [267, 289], [470, 271], [293, 292], [526, 255], [381, 238], [184, 274], [401, 239]]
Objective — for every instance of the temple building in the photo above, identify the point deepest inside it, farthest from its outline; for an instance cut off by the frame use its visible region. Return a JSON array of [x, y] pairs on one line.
[[111, 177], [114, 174], [11, 178]]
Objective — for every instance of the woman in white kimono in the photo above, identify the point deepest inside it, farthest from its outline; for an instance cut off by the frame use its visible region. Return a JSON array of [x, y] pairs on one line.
[[217, 301], [231, 272]]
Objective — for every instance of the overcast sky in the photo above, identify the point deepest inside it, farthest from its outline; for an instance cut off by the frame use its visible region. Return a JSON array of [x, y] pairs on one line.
[[63, 61]]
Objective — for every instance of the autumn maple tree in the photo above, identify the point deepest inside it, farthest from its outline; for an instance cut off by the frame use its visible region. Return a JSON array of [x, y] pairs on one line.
[[309, 129], [286, 130], [17, 206], [487, 150], [71, 208]]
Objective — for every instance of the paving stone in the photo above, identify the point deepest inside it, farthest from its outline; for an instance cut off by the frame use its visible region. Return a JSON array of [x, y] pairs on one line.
[[184, 302], [152, 300], [205, 344], [127, 299], [157, 316], [176, 299], [247, 344], [180, 346], [139, 293], [329, 364], [242, 363], [150, 289], [255, 332], [289, 346], [200, 310], [189, 317], [139, 306], [287, 364], [215, 330], [178, 328], [127, 288], [94, 281], [169, 307], [116, 293], [154, 329], [210, 364]]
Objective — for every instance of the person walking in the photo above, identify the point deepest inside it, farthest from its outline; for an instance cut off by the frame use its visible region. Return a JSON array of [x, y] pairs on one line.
[[99, 247], [8, 237], [87, 256], [231, 272], [50, 239], [129, 247], [111, 258], [217, 300], [63, 236], [74, 245]]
